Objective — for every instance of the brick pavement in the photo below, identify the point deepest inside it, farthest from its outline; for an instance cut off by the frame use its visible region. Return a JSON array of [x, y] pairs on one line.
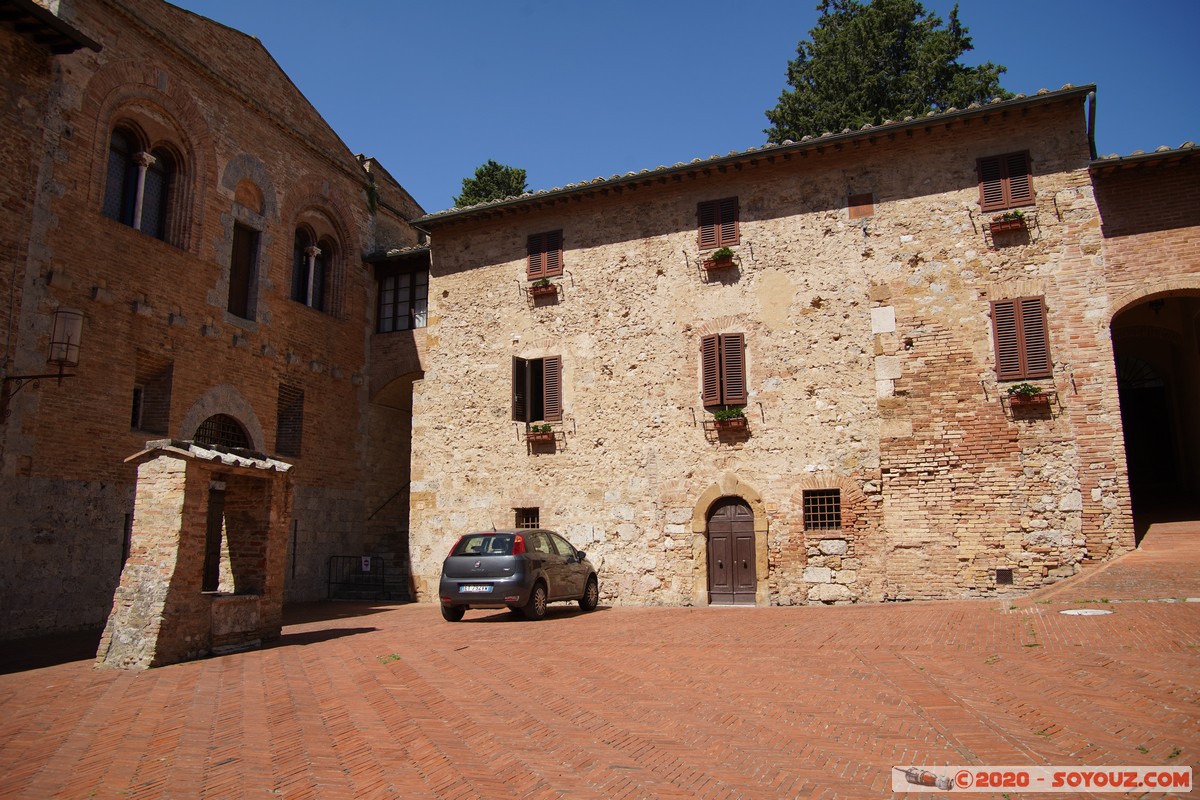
[[814, 702]]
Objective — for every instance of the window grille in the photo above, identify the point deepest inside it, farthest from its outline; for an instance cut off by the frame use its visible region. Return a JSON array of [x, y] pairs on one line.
[[528, 517], [822, 509], [223, 431]]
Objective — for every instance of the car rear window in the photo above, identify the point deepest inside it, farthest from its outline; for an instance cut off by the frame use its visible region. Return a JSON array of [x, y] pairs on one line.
[[484, 544]]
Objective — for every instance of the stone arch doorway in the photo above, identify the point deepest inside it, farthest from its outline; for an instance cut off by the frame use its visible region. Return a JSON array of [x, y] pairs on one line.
[[732, 558], [1158, 381]]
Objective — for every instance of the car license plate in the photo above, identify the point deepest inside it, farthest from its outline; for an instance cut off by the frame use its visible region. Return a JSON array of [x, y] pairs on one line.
[[475, 587]]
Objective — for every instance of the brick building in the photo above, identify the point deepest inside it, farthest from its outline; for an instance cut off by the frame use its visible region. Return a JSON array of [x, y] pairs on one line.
[[885, 289], [170, 184]]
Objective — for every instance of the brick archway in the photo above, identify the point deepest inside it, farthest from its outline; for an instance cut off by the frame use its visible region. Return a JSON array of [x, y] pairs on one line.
[[224, 399]]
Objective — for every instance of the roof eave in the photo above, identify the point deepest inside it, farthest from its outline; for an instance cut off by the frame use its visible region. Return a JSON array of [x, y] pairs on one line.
[[430, 221]]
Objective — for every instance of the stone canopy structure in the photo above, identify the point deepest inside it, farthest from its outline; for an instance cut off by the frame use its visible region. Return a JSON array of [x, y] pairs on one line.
[[205, 573]]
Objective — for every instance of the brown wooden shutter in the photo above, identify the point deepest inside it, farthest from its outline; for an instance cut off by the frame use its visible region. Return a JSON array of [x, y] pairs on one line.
[[706, 213], [1020, 184], [1007, 340], [552, 257], [537, 256], [1035, 338], [728, 233], [733, 369], [545, 255], [552, 388], [1022, 339], [710, 371], [520, 389], [1004, 181]]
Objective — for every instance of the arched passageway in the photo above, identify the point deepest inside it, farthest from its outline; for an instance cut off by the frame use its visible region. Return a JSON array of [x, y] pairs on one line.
[[1156, 344]]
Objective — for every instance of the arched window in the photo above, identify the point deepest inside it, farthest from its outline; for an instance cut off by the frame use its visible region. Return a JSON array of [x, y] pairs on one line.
[[311, 262], [222, 430], [157, 191], [138, 185], [120, 188]]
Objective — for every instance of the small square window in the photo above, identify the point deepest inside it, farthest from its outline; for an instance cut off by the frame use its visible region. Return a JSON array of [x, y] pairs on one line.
[[822, 509], [1004, 577], [527, 517]]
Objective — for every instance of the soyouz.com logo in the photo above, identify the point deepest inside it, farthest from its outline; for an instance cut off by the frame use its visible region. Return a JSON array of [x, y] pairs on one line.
[[1042, 779]]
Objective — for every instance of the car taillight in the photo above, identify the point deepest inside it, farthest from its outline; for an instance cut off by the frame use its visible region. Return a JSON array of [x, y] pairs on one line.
[[454, 547], [518, 545]]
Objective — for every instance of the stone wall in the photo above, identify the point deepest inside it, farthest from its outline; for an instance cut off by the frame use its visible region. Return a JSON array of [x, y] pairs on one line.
[[870, 364]]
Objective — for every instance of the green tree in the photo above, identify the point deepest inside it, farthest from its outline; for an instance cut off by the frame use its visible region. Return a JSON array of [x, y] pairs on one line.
[[492, 181], [869, 62]]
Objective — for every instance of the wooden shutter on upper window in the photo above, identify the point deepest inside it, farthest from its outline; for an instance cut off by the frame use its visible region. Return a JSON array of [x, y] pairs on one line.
[[706, 213], [520, 389], [552, 388], [545, 254], [1035, 338], [723, 369], [1004, 181], [710, 371], [1022, 339], [718, 221], [733, 369], [728, 233]]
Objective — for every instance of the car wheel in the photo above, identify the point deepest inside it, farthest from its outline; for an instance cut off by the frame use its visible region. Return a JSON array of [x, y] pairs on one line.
[[591, 595], [453, 613], [536, 607]]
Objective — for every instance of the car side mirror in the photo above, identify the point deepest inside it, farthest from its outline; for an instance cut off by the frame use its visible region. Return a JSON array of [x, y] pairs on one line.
[[580, 555]]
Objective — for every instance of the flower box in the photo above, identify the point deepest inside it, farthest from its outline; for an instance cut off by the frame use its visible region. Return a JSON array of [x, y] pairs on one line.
[[718, 263], [1027, 400], [731, 424], [1007, 224], [539, 436], [543, 290]]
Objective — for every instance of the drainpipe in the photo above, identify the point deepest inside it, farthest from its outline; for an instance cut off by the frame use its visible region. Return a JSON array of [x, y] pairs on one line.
[[1092, 123]]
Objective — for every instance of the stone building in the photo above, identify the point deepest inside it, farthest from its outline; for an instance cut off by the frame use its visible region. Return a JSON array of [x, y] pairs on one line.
[[169, 186], [884, 291]]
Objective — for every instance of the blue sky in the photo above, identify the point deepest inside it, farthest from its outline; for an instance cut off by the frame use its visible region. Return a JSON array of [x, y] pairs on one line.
[[572, 90]]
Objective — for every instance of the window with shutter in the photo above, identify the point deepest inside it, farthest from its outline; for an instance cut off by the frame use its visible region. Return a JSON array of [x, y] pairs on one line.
[[1005, 181], [723, 369], [718, 220], [1022, 339], [545, 254], [537, 389]]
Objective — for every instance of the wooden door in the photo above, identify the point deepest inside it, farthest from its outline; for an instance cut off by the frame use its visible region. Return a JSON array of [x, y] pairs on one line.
[[732, 578]]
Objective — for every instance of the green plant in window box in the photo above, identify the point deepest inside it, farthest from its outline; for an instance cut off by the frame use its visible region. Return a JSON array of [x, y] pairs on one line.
[[542, 432], [733, 417], [1008, 221], [721, 257], [1027, 394], [542, 286]]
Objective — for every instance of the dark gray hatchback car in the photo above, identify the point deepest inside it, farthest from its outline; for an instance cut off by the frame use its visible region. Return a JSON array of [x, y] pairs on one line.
[[522, 570]]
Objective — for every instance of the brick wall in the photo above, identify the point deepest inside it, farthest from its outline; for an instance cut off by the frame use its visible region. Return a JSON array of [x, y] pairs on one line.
[[250, 151]]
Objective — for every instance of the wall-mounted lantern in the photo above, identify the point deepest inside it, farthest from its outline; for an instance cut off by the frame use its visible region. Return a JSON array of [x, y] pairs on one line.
[[65, 338]]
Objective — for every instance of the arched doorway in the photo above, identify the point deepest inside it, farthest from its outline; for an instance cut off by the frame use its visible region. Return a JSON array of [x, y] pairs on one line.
[[732, 573], [1158, 379]]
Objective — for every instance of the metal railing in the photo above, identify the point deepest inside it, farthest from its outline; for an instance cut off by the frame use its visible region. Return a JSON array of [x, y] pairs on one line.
[[357, 576]]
